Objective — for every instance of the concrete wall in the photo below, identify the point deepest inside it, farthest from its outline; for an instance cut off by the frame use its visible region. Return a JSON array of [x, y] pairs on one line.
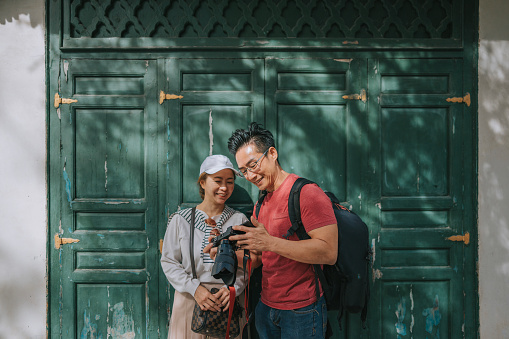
[[23, 239], [494, 168], [22, 170]]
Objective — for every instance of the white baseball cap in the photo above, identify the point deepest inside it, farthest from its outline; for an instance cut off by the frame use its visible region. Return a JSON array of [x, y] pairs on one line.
[[214, 163]]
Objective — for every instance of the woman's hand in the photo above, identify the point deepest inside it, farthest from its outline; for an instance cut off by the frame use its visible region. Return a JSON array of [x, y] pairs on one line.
[[206, 300], [223, 295]]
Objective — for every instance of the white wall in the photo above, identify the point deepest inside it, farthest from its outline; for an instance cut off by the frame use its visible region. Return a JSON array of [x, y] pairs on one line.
[[494, 168], [22, 170]]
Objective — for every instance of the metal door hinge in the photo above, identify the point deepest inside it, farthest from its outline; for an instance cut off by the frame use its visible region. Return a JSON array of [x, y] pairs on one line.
[[465, 99], [464, 238], [361, 97], [62, 241], [59, 100], [161, 245], [163, 96]]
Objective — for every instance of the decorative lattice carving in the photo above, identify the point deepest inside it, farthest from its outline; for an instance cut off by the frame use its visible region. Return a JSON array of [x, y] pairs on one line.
[[372, 19]]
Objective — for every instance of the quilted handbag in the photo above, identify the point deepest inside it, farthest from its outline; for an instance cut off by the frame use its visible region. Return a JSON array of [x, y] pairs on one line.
[[215, 324]]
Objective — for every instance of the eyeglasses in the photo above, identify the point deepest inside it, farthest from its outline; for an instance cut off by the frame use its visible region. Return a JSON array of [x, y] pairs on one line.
[[253, 167]]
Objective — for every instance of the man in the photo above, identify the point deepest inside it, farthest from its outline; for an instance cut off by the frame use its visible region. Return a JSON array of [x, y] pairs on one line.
[[288, 307]]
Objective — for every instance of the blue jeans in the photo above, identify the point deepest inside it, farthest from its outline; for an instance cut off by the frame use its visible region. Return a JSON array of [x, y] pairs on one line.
[[305, 322]]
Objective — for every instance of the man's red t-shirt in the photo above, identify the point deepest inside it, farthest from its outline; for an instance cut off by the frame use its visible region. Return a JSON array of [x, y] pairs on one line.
[[288, 284]]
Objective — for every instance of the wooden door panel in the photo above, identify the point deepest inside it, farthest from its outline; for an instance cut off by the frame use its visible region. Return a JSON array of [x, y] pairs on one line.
[[218, 96], [313, 121], [109, 150], [419, 271], [415, 151], [201, 135], [417, 309], [111, 163], [113, 310]]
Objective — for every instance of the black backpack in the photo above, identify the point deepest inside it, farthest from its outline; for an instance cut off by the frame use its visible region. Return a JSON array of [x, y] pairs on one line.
[[346, 283]]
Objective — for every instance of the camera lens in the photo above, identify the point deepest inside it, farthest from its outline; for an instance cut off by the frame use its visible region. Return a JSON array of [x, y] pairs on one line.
[[225, 265]]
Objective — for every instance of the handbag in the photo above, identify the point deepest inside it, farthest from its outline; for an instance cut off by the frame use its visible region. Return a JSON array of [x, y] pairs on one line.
[[210, 323], [215, 324]]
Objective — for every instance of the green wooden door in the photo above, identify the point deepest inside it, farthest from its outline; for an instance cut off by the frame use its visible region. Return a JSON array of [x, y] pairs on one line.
[[104, 282], [419, 271], [216, 96]]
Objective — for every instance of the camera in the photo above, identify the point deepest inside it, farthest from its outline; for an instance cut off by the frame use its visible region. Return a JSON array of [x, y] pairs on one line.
[[229, 232], [225, 265]]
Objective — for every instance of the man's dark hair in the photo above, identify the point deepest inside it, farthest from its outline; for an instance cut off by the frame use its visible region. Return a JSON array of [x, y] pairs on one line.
[[254, 134]]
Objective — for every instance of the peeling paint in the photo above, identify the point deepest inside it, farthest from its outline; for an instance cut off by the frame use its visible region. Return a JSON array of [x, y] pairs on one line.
[[114, 202], [67, 184], [379, 205], [373, 251], [66, 68], [211, 134], [89, 329], [433, 318], [343, 60], [58, 113], [411, 299], [167, 165], [350, 42], [168, 129], [122, 324], [400, 316], [412, 323], [377, 274], [106, 173]]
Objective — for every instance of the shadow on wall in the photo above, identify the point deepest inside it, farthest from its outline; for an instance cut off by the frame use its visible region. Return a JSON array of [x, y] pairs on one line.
[[494, 121], [14, 10], [22, 291]]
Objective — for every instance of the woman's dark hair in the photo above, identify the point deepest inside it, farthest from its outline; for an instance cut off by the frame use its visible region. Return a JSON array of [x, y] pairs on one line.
[[254, 134], [201, 178]]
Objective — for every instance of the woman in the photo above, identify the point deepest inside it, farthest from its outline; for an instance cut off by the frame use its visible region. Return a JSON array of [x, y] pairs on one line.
[[216, 183]]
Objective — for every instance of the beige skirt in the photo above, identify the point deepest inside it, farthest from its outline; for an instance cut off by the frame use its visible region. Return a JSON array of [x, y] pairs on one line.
[[182, 314]]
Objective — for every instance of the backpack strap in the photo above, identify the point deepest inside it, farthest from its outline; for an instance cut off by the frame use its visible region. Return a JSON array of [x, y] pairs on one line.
[[294, 209], [298, 228], [261, 197]]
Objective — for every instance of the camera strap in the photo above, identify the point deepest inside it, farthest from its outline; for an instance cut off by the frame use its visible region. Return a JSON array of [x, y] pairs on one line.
[[230, 311], [247, 264]]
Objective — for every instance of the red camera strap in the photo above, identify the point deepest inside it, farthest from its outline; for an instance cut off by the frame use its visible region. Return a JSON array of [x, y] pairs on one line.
[[230, 311]]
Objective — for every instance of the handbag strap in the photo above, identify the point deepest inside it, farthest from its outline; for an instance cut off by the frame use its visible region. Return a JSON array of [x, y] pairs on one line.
[[191, 243]]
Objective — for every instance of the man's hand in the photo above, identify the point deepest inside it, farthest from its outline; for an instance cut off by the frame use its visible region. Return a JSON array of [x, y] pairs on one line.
[[322, 248], [256, 238]]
